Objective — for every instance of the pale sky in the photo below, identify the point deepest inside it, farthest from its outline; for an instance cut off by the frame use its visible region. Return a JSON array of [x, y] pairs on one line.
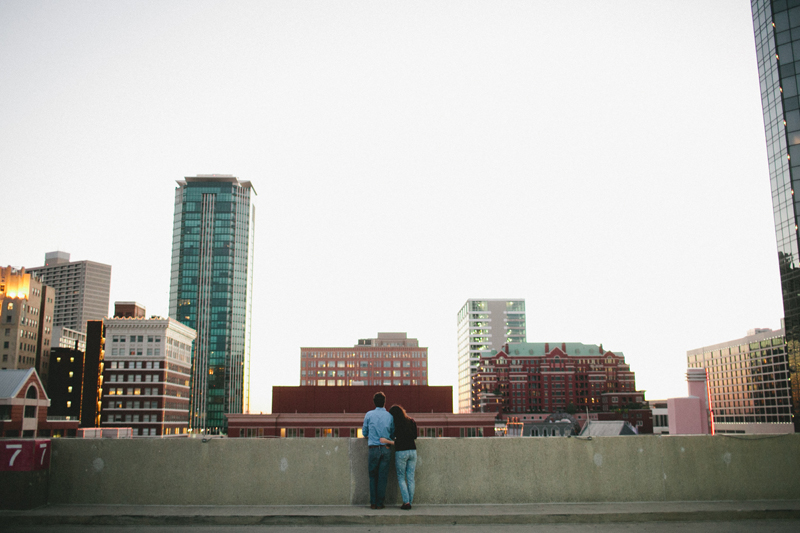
[[605, 161]]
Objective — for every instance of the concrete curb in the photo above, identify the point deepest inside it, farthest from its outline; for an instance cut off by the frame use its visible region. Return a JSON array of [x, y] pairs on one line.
[[422, 515]]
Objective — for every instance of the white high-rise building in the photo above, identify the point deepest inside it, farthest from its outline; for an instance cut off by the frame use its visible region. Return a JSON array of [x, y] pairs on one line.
[[82, 289], [485, 324]]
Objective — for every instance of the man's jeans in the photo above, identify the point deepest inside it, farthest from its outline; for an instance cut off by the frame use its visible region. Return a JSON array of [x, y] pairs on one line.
[[378, 473], [405, 463]]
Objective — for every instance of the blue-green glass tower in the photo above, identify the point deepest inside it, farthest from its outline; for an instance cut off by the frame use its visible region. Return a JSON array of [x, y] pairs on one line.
[[777, 30], [211, 291]]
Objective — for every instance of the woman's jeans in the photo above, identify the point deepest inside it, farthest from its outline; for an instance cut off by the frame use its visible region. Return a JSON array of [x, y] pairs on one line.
[[405, 463]]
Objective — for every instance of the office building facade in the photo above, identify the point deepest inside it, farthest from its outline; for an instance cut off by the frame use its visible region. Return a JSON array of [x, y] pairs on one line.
[[26, 321], [391, 359], [485, 325], [211, 291], [776, 24], [68, 338], [146, 375], [82, 289], [749, 382]]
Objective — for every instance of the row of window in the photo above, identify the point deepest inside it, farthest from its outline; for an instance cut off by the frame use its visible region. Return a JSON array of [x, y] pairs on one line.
[[355, 433], [136, 351], [132, 405], [364, 373], [147, 419], [136, 364], [134, 391], [147, 378], [136, 338], [363, 364], [366, 355], [348, 382]]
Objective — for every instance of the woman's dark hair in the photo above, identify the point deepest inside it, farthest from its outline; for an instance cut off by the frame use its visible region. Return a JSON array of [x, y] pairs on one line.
[[398, 413]]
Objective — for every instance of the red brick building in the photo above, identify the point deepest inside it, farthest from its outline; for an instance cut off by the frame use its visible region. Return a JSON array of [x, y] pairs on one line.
[[391, 359], [23, 408], [339, 412], [550, 377]]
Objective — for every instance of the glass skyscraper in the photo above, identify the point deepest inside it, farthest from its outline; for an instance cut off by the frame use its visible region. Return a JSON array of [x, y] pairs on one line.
[[211, 291], [777, 30]]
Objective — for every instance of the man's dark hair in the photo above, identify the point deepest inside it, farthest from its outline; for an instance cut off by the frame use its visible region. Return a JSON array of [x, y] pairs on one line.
[[379, 399]]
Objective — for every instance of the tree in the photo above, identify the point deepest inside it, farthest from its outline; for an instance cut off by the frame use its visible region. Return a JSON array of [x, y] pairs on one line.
[[572, 408]]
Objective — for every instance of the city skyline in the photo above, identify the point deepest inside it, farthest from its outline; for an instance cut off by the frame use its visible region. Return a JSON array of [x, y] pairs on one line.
[[609, 169]]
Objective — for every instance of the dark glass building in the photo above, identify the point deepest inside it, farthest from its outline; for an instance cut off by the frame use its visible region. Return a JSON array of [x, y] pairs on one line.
[[777, 30], [211, 291]]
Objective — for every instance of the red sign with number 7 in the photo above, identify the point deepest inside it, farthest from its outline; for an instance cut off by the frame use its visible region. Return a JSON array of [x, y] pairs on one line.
[[24, 455]]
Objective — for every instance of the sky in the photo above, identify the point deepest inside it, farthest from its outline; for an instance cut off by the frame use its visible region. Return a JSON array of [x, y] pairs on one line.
[[605, 161]]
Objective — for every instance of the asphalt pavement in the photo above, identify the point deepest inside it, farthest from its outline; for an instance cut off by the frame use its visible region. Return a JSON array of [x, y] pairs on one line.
[[765, 515]]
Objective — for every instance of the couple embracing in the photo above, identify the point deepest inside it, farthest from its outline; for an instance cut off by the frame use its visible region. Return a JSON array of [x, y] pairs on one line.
[[383, 429]]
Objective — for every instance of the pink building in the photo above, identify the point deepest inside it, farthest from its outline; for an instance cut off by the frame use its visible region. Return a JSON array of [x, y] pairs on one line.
[[691, 415]]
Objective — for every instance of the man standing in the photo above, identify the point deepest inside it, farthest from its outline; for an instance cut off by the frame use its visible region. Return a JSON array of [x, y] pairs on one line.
[[378, 424]]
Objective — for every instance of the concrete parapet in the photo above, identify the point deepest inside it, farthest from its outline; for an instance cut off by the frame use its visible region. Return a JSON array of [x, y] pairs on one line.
[[306, 471]]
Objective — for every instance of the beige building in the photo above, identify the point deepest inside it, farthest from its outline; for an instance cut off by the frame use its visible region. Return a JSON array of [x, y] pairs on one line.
[[26, 320], [82, 289]]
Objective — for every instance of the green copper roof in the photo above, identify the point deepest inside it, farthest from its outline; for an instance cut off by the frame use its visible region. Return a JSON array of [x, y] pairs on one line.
[[574, 349]]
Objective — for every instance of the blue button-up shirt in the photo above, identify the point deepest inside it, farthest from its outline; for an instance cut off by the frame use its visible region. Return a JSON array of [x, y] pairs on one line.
[[378, 423]]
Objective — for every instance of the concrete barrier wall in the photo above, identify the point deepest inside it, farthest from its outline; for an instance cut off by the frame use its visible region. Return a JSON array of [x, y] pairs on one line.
[[450, 471]]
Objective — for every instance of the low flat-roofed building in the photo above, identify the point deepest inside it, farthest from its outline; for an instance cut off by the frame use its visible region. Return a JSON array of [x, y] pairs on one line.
[[309, 399], [339, 412]]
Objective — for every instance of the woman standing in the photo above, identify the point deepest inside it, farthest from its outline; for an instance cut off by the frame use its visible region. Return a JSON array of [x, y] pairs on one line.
[[405, 453]]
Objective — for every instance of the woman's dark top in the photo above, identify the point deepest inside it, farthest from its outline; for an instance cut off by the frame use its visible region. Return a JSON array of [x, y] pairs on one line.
[[404, 434]]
